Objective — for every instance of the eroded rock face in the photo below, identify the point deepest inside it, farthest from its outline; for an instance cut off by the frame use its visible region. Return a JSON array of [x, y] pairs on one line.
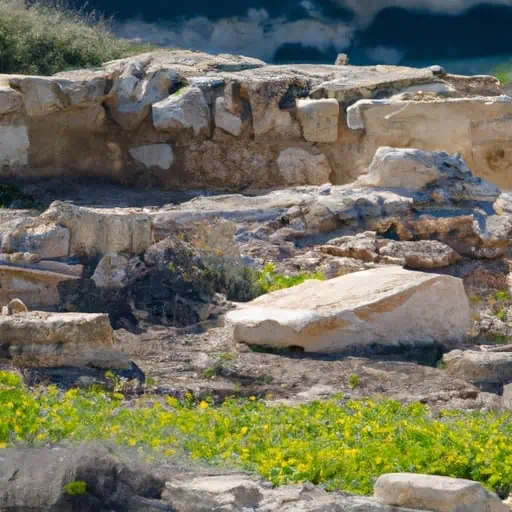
[[386, 306]]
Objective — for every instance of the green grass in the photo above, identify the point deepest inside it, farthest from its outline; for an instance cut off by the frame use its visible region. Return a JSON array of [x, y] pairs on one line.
[[503, 73], [45, 38], [270, 281], [340, 444], [75, 488]]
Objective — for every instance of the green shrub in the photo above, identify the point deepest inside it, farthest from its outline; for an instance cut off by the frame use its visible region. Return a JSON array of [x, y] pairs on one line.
[[44, 38], [353, 381], [503, 73], [270, 281], [12, 196], [76, 488]]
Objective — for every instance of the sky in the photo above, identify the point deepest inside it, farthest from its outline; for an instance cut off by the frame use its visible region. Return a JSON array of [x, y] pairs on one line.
[[370, 31]]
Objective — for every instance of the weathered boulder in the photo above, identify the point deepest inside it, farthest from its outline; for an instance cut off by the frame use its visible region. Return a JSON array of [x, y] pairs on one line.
[[480, 367], [101, 231], [186, 108], [386, 306], [319, 119], [415, 169], [421, 254], [111, 271], [409, 168], [237, 492], [135, 92], [14, 307], [361, 247], [436, 493]]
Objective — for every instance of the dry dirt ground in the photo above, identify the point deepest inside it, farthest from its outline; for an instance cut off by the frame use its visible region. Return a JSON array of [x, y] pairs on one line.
[[206, 363]]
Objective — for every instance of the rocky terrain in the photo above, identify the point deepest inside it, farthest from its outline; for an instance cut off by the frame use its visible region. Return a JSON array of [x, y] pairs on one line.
[[154, 193]]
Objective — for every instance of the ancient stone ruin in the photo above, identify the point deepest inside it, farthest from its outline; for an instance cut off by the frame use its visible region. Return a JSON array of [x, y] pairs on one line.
[[160, 185]]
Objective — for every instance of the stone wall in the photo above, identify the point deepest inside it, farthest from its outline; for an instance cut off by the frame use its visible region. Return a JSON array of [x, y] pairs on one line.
[[179, 119]]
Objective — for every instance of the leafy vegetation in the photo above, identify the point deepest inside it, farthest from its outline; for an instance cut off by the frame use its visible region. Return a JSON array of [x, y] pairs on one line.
[[44, 38], [76, 488], [270, 281], [503, 73], [353, 381], [12, 197], [341, 444]]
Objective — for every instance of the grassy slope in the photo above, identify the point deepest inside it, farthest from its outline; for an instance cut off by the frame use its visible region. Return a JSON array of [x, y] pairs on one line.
[[45, 38]]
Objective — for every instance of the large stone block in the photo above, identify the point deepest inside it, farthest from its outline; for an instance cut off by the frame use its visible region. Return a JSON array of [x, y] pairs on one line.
[[226, 120], [38, 284], [10, 100], [299, 167], [39, 327], [385, 306], [154, 155], [14, 145], [60, 339], [185, 109], [319, 119]]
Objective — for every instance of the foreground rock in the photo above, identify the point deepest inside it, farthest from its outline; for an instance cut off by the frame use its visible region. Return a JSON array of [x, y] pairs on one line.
[[436, 493], [388, 306], [36, 479]]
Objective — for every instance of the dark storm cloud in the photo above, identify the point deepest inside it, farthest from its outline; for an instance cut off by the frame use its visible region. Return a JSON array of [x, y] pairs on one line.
[[261, 27]]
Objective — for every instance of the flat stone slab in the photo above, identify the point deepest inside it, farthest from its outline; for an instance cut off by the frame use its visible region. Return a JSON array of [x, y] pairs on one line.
[[436, 493], [354, 81], [385, 306]]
